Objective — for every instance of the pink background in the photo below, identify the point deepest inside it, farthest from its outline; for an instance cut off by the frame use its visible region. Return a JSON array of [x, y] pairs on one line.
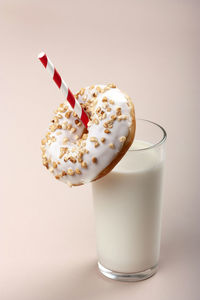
[[150, 49]]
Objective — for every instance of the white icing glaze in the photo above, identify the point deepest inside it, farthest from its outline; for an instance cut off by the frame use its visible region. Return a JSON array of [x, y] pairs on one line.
[[103, 153]]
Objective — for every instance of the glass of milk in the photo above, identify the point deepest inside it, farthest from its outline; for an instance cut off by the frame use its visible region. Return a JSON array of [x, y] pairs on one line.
[[128, 205]]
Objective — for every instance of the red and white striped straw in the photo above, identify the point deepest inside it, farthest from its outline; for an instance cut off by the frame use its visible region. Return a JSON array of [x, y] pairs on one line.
[[63, 86]]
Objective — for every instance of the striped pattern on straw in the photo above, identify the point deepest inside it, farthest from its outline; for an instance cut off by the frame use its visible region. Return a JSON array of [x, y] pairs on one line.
[[63, 86]]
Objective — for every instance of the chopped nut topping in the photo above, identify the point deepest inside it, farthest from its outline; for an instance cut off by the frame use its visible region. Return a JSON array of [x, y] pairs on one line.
[[70, 172], [78, 142], [76, 137], [94, 160], [84, 164], [103, 139], [93, 139], [122, 139], [98, 109], [57, 176], [82, 91], [80, 159], [111, 145], [72, 159], [45, 160], [80, 154], [53, 127], [54, 165], [53, 139], [65, 140], [59, 126], [104, 105], [74, 114], [105, 125], [91, 87], [73, 130], [96, 145], [84, 137], [64, 173], [107, 131], [64, 125], [105, 99], [60, 116], [48, 134], [98, 89], [122, 117], [118, 111], [110, 122], [45, 163], [112, 101], [43, 141], [77, 171], [113, 117], [51, 170], [112, 85], [66, 158], [94, 94], [61, 109], [56, 119], [108, 109], [69, 126], [68, 114], [63, 150], [96, 121]]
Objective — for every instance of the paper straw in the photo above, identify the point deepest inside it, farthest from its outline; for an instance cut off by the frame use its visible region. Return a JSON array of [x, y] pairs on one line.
[[63, 86]]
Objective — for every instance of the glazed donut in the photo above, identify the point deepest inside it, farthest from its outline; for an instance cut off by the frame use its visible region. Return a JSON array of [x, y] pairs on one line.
[[76, 155]]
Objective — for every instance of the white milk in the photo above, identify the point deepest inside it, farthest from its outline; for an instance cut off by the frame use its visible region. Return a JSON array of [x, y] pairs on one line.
[[127, 204]]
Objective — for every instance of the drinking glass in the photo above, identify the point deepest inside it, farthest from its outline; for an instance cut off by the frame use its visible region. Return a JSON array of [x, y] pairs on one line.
[[128, 207]]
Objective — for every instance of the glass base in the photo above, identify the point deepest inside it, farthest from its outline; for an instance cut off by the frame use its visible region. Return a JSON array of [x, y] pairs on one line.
[[137, 276]]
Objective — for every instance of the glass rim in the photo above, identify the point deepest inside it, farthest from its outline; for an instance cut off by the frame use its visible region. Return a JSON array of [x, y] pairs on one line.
[[160, 142]]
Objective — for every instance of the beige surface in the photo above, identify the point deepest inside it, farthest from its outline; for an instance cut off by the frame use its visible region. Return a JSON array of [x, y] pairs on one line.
[[150, 49]]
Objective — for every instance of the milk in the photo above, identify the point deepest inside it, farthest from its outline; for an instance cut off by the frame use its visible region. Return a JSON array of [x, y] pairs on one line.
[[127, 204]]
